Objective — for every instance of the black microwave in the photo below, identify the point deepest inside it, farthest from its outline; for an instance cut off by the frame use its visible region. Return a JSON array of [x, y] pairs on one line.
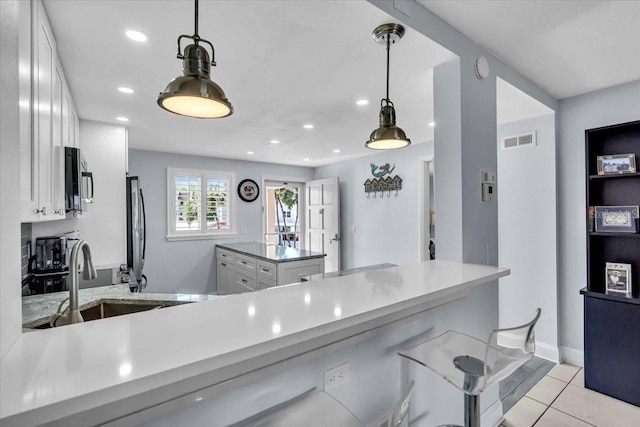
[[78, 181]]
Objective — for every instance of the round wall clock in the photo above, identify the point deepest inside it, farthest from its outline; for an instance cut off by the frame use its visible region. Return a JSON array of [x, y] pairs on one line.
[[248, 190]]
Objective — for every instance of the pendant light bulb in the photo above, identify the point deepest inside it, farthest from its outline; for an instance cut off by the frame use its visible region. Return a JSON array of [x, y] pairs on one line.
[[194, 94], [388, 136]]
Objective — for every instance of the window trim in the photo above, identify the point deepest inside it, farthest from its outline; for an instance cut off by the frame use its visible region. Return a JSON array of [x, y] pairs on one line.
[[172, 233]]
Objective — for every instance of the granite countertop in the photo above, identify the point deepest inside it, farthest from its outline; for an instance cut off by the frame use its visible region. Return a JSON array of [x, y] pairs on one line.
[[37, 309], [271, 253]]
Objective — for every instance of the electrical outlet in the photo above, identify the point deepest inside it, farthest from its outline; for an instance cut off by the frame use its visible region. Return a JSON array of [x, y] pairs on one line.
[[336, 376]]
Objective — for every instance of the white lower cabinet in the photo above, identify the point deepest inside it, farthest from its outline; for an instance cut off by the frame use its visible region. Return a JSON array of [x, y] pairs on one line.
[[222, 276], [238, 273], [265, 283]]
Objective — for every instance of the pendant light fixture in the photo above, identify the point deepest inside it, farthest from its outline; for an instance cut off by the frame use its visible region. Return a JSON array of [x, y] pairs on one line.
[[388, 136], [193, 94]]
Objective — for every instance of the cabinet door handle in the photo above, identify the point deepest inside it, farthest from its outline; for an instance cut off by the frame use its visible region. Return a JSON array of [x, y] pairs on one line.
[[43, 211], [223, 264]]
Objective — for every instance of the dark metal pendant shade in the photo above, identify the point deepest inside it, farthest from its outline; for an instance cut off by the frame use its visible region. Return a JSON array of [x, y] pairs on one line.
[[194, 94], [388, 136]]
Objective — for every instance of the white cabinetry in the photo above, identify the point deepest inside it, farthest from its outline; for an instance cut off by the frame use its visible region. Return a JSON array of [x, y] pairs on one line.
[[51, 124], [70, 124], [238, 273]]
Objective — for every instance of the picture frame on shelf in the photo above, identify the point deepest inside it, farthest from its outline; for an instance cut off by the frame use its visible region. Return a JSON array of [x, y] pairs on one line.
[[616, 219], [616, 164], [618, 278]]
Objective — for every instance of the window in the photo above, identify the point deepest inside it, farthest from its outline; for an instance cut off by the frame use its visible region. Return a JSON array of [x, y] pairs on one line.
[[200, 204]]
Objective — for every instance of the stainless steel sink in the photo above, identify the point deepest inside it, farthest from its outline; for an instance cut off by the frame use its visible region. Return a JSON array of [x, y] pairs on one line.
[[110, 309]]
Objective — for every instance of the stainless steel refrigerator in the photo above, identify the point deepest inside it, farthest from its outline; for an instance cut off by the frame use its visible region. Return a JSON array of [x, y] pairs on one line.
[[136, 234]]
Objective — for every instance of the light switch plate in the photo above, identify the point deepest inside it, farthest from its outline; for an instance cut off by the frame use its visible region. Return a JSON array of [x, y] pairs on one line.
[[488, 192]]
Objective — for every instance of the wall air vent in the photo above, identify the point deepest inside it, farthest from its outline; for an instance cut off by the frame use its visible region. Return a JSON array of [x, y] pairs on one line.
[[518, 141]]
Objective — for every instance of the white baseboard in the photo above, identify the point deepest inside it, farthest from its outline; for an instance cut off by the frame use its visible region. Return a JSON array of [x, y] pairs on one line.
[[572, 355], [547, 351], [493, 415]]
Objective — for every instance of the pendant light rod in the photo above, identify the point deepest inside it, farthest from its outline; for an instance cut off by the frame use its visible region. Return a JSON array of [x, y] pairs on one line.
[[388, 54], [195, 34]]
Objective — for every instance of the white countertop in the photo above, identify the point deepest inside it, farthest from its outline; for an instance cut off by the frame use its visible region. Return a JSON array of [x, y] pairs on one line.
[[51, 374]]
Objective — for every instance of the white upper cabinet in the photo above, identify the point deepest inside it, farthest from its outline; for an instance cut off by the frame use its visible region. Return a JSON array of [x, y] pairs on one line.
[[70, 125], [52, 123]]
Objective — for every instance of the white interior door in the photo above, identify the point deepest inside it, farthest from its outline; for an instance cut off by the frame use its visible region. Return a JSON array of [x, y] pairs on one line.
[[323, 221]]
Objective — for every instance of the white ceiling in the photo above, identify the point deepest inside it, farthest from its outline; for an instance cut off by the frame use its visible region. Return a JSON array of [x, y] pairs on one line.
[[566, 47], [281, 63], [286, 63]]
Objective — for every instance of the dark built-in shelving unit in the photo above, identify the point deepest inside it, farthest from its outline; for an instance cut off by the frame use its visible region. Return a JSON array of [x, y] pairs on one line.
[[612, 321]]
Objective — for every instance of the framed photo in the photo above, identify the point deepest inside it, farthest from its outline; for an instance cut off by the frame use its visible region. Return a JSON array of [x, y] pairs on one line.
[[591, 217], [617, 219], [618, 278], [615, 164], [248, 190]]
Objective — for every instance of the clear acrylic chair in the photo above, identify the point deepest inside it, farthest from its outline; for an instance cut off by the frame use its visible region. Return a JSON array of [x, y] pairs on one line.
[[398, 416], [316, 408], [311, 409], [472, 365]]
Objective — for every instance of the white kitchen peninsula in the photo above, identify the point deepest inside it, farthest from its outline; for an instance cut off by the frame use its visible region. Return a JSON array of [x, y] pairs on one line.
[[250, 266], [229, 354]]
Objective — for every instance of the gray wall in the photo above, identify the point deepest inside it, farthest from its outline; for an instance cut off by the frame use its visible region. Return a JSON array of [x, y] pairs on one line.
[[386, 229], [189, 266], [601, 108], [527, 230]]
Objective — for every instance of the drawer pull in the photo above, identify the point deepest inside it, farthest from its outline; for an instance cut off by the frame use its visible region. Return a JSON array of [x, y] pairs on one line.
[[223, 264], [244, 262], [244, 280], [266, 270]]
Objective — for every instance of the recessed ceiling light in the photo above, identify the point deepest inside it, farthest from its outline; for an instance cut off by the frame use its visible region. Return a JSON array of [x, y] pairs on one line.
[[362, 102], [336, 151], [250, 153], [122, 119], [136, 36], [274, 141], [308, 126], [306, 159], [432, 124], [125, 89]]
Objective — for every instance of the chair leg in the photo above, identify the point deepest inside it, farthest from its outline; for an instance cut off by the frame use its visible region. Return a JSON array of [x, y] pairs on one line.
[[471, 410]]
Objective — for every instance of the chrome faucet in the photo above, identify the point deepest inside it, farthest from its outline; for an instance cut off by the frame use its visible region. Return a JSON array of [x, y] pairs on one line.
[[88, 273]]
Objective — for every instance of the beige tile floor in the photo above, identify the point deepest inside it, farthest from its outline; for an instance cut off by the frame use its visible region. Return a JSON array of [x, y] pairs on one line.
[[560, 400]]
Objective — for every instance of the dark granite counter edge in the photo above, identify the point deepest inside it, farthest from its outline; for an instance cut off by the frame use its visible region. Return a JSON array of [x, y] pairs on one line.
[[241, 252]]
